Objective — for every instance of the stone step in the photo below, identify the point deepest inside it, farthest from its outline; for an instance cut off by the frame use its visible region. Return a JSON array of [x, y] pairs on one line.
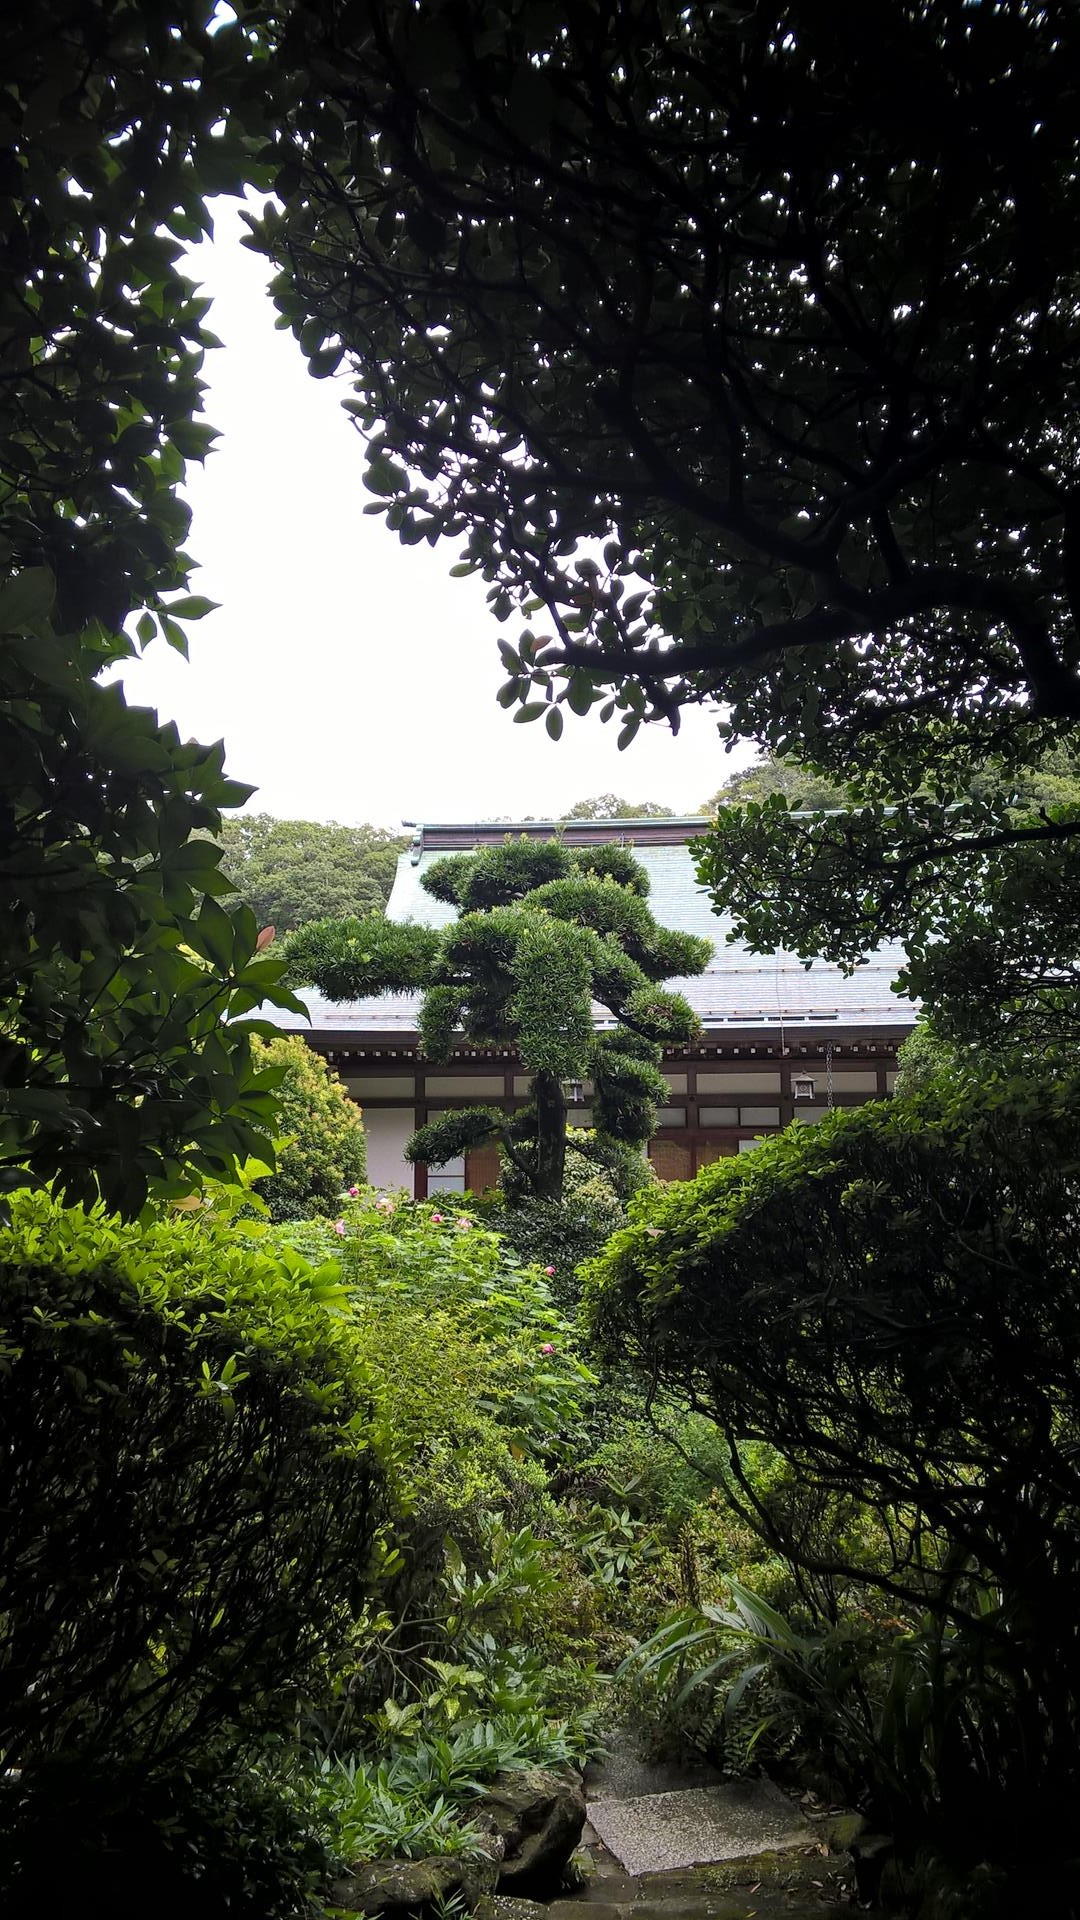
[[736, 1903], [787, 1869], [679, 1842], [696, 1826], [813, 1876]]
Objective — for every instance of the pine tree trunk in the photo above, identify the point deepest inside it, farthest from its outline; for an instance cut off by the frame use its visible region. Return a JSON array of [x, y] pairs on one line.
[[550, 1136]]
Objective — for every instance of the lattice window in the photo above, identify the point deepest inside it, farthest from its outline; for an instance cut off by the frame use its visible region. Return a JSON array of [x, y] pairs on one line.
[[482, 1168], [671, 1160], [706, 1151], [449, 1178]]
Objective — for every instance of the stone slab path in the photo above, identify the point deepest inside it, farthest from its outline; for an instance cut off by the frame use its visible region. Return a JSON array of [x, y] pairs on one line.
[[699, 1826], [675, 1841]]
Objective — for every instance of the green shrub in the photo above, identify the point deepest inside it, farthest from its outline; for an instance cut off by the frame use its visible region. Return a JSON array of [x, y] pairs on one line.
[[561, 1234], [660, 1460], [454, 1327], [412, 1791], [651, 1529], [222, 1842], [324, 1150], [480, 1389], [367, 1809], [891, 1299], [402, 1778], [212, 1402], [187, 1482]]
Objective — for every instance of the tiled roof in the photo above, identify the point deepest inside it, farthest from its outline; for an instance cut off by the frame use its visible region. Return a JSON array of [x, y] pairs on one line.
[[395, 1013], [738, 989]]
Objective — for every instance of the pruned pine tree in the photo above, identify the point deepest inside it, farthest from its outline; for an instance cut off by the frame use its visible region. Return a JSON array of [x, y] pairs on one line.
[[545, 935]]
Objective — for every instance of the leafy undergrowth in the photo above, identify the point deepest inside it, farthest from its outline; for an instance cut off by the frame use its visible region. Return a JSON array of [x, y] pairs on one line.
[[543, 1526], [527, 1524]]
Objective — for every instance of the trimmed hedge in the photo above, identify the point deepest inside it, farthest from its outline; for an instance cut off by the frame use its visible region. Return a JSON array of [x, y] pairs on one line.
[[189, 1492]]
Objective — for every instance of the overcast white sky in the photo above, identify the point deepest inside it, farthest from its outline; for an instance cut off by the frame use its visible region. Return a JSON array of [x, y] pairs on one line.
[[349, 676]]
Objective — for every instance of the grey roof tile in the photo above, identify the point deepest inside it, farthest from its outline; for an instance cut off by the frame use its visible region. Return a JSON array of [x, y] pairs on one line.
[[738, 989]]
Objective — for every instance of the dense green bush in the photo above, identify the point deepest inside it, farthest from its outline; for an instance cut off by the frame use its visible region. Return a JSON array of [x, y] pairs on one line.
[[475, 1372], [479, 1386], [456, 1328], [324, 1150], [468, 1660], [891, 1299], [190, 1499], [650, 1518], [561, 1234], [224, 1841], [214, 1401]]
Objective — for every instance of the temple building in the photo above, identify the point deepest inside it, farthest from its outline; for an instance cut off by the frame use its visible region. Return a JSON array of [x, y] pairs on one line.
[[780, 1040]]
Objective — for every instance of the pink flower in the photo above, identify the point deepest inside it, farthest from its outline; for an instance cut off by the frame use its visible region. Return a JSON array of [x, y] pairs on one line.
[[547, 1347], [384, 1205], [549, 1271], [437, 1219], [339, 1226], [353, 1192], [462, 1223]]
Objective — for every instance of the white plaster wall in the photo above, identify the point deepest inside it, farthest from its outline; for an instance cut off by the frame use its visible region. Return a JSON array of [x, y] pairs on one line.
[[376, 1086], [766, 1080], [442, 1085], [387, 1130]]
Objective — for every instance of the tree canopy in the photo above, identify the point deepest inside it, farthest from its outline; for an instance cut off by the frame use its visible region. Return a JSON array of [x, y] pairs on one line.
[[774, 307], [982, 890], [737, 348], [798, 786], [542, 931], [735, 351], [612, 806], [119, 967], [289, 871], [1052, 780]]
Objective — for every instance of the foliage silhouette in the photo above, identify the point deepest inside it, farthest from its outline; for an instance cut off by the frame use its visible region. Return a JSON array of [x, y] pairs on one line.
[[119, 967]]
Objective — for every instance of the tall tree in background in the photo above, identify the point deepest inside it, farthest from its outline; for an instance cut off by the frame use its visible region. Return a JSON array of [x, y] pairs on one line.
[[737, 346], [797, 785], [542, 932], [612, 806], [289, 871], [984, 891]]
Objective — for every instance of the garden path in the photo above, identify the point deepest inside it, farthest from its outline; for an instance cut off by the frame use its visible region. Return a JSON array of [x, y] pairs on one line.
[[673, 1841]]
